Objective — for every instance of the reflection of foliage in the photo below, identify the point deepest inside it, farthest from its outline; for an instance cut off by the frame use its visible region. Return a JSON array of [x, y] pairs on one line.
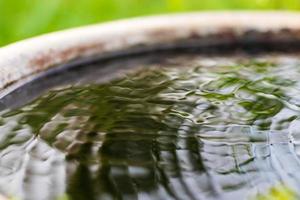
[[279, 192], [142, 133]]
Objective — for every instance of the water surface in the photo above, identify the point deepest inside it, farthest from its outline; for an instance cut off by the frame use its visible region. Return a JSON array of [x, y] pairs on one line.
[[191, 127]]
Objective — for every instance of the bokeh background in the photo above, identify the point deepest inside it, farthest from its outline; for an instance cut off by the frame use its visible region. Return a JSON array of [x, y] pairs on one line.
[[21, 19]]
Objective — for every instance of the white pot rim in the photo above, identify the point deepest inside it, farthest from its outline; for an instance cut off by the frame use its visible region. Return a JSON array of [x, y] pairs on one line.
[[28, 57]]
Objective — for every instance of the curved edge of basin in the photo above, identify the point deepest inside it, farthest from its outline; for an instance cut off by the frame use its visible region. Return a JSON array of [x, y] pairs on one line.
[[25, 58]]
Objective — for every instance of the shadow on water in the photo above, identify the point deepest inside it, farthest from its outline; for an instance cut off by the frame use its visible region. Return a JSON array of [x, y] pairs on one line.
[[204, 131]]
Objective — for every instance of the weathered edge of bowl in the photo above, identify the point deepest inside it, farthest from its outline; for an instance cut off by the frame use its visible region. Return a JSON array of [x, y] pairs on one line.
[[25, 58]]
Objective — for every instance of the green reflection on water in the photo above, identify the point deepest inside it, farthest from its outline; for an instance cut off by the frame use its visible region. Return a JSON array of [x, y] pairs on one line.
[[172, 133]]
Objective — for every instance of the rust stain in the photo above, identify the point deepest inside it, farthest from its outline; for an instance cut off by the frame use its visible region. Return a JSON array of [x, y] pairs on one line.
[[50, 58], [164, 35]]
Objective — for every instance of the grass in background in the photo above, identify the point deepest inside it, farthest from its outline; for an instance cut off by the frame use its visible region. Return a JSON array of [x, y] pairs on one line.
[[21, 19]]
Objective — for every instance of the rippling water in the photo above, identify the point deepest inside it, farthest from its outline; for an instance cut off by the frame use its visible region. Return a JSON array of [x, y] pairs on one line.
[[214, 128]]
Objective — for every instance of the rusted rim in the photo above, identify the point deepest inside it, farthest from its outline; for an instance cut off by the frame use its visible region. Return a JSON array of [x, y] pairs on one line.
[[28, 57]]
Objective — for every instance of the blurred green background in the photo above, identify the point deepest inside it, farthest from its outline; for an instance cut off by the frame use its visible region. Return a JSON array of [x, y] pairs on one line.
[[21, 19]]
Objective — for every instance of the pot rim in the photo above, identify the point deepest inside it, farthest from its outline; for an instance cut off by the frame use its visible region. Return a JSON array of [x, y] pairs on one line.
[[28, 57]]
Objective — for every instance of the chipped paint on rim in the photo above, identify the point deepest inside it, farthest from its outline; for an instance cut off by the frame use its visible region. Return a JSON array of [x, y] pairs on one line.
[[28, 57]]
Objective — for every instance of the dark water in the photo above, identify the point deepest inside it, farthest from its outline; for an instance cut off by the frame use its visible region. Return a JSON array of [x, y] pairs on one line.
[[213, 128]]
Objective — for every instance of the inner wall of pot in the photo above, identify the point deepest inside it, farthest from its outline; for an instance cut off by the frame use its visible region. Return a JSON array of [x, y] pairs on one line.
[[107, 66]]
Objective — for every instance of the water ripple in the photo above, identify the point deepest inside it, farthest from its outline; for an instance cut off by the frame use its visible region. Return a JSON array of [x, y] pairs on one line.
[[227, 129]]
